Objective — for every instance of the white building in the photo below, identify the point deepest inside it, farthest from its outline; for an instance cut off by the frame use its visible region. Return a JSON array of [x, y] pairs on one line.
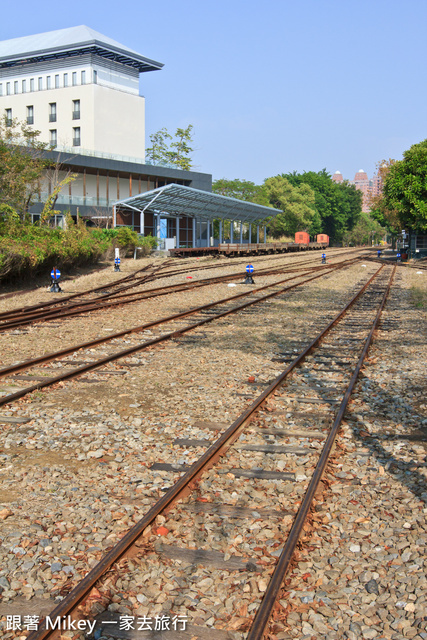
[[80, 89]]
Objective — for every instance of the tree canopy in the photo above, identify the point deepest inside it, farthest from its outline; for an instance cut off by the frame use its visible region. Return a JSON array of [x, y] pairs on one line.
[[339, 205], [298, 206], [405, 190], [165, 149], [240, 189], [310, 202], [22, 164]]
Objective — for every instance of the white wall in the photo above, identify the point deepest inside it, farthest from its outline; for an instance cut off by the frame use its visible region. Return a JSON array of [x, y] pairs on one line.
[[111, 121]]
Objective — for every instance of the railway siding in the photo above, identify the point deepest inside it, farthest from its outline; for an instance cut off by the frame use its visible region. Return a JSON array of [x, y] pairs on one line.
[[79, 436]]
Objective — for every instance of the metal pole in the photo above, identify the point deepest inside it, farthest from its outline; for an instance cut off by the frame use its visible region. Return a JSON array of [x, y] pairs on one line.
[[265, 234], [177, 232], [257, 234], [208, 233], [158, 229], [220, 232], [114, 216], [194, 233], [231, 231], [241, 232], [250, 233]]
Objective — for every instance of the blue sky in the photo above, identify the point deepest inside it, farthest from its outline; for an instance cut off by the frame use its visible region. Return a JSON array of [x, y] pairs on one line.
[[272, 86]]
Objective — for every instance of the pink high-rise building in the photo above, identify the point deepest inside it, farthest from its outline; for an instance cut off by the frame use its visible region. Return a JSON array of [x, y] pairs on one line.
[[364, 184], [337, 177]]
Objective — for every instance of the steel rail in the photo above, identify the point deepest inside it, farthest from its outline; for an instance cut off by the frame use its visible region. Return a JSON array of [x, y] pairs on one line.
[[22, 317], [149, 343], [83, 588], [59, 303], [262, 617], [112, 299]]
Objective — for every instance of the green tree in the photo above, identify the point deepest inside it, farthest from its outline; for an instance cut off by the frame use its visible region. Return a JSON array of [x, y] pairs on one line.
[[22, 164], [405, 188], [379, 209], [158, 152], [240, 189], [297, 204], [177, 153], [365, 231], [180, 150], [339, 205]]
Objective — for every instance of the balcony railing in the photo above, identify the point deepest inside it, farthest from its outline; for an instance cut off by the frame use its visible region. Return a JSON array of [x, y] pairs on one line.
[[76, 115]]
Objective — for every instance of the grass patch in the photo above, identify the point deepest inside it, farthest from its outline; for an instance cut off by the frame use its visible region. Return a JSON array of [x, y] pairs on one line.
[[419, 297]]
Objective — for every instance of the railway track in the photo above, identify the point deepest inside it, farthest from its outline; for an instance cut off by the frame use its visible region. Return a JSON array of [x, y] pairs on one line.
[[117, 294], [274, 453], [44, 377]]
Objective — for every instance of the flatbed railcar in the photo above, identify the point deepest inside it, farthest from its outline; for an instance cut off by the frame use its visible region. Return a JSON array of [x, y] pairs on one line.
[[237, 249]]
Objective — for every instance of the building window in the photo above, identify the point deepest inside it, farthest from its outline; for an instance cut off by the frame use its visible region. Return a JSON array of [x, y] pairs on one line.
[[8, 88], [48, 82], [40, 84], [76, 109], [76, 137], [57, 81], [53, 137], [83, 77], [74, 78], [32, 84], [65, 79], [52, 112], [24, 86], [15, 87], [8, 117], [95, 76], [30, 114]]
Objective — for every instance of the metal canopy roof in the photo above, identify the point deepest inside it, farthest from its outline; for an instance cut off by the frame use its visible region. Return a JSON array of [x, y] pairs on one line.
[[71, 42], [177, 200]]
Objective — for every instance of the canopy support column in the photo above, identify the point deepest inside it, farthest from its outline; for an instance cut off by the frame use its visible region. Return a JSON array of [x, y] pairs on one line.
[[257, 234], [208, 233], [194, 233], [158, 229], [250, 233], [220, 232], [241, 232], [231, 231], [142, 223], [265, 234], [114, 216], [177, 233]]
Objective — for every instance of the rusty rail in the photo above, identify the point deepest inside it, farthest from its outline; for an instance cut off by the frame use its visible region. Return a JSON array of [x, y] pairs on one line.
[[82, 590]]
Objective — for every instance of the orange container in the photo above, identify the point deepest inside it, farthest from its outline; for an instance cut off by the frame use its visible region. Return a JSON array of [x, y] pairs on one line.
[[302, 237], [323, 238]]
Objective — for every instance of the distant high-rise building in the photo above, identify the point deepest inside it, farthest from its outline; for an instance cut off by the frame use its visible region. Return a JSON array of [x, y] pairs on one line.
[[364, 184], [337, 177]]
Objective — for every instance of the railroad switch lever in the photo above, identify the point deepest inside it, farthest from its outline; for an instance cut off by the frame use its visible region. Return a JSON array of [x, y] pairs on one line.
[[249, 271], [323, 258], [117, 259], [55, 274]]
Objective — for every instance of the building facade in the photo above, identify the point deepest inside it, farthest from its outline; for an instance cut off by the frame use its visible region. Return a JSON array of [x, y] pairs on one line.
[[80, 89]]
